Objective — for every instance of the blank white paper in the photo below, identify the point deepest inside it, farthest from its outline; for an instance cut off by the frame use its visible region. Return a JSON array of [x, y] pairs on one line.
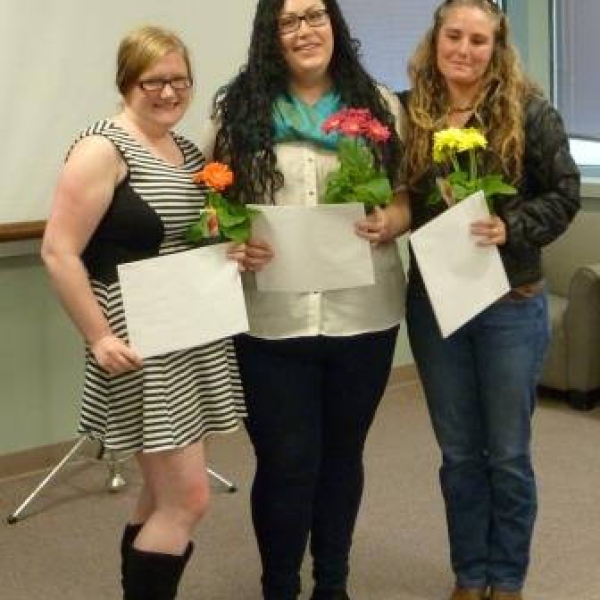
[[461, 278], [315, 248], [181, 300]]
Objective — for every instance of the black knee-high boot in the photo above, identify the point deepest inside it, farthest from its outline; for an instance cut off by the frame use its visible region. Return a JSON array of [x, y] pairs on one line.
[[129, 534], [154, 575]]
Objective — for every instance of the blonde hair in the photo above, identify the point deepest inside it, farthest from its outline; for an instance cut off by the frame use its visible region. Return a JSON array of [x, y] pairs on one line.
[[504, 90], [142, 48]]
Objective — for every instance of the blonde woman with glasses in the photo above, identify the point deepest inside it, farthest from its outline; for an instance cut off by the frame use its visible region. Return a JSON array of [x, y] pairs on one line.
[[126, 193]]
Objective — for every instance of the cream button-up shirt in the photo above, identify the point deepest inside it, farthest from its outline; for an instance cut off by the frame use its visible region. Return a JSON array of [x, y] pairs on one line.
[[277, 315]]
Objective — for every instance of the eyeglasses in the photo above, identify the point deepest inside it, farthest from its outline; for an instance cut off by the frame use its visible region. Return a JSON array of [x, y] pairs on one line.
[[290, 23], [179, 84]]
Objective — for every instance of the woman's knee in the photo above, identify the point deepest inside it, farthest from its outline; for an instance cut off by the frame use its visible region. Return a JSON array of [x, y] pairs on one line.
[[185, 502], [195, 499], [293, 451]]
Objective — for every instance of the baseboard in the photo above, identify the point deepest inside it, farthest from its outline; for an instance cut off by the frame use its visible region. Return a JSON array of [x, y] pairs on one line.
[[35, 459]]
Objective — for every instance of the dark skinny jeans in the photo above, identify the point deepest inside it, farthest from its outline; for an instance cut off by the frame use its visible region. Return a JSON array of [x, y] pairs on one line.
[[310, 404]]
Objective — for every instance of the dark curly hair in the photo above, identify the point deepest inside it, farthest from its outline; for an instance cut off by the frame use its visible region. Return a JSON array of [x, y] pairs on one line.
[[245, 106]]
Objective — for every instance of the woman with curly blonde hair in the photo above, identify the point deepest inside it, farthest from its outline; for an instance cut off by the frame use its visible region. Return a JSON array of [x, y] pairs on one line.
[[480, 381], [500, 92]]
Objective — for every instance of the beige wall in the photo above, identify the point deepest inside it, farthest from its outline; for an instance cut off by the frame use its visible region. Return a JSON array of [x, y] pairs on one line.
[[40, 360]]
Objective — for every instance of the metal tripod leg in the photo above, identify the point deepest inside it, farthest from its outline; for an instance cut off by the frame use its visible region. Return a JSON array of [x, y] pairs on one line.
[[14, 517], [114, 483], [231, 487]]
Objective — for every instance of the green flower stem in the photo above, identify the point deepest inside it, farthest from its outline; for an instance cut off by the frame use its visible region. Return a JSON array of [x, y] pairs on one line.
[[472, 165], [455, 164]]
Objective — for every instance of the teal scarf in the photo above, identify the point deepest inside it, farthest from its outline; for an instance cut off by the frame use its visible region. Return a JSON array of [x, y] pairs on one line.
[[294, 120]]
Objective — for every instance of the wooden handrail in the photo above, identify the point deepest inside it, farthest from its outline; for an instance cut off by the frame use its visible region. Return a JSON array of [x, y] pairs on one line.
[[28, 230]]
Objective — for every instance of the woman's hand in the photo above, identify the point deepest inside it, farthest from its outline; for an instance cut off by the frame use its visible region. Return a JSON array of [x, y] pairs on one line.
[[385, 224], [258, 254], [490, 231], [376, 227], [114, 355], [237, 252]]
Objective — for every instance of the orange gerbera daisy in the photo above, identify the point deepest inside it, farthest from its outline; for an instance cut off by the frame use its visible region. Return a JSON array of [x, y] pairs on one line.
[[216, 175]]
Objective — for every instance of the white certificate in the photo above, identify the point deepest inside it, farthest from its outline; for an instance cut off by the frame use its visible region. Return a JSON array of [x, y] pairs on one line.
[[461, 278], [315, 248], [181, 300]]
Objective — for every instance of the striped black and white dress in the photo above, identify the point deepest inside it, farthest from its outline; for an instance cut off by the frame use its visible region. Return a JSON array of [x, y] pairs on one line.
[[180, 397]]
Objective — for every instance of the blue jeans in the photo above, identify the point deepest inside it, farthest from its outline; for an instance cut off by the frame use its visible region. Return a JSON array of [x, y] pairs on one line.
[[480, 389], [310, 404]]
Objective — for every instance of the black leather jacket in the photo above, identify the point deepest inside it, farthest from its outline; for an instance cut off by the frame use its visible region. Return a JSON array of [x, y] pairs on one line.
[[546, 202]]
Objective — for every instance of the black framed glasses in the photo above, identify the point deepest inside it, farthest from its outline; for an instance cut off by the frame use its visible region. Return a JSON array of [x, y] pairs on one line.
[[290, 22], [179, 84]]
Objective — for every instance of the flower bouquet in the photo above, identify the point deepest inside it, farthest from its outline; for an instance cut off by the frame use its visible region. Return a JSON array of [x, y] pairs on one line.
[[221, 218], [357, 179], [460, 184]]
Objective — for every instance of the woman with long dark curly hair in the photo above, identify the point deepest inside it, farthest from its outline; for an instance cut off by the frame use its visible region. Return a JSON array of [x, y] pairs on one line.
[[480, 381], [314, 365]]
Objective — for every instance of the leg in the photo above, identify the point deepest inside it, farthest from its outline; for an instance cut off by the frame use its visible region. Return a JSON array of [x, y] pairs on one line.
[[512, 342], [176, 492], [282, 383], [448, 373], [356, 374], [178, 484]]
